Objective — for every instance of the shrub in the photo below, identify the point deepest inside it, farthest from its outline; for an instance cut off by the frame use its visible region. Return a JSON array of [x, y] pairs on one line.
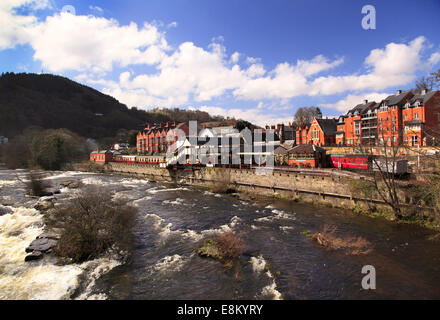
[[351, 245], [229, 245], [92, 224], [226, 247]]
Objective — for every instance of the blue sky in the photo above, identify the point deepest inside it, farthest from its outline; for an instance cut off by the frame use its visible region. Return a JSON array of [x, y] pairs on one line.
[[258, 60]]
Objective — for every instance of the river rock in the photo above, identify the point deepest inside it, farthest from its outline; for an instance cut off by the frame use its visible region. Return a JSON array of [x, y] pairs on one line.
[[41, 244], [52, 191], [49, 234], [35, 255], [44, 205], [71, 184], [5, 210]]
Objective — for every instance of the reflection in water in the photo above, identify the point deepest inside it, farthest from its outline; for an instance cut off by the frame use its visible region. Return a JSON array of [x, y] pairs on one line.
[[279, 262]]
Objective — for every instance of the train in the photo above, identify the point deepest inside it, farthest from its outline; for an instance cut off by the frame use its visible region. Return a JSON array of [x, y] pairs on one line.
[[364, 162], [353, 162], [160, 160]]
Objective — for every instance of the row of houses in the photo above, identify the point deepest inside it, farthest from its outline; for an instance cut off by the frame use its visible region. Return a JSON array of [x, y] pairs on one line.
[[153, 139], [404, 118]]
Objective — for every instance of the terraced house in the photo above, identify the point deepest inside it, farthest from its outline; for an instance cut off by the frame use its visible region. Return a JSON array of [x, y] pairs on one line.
[[153, 139], [403, 118]]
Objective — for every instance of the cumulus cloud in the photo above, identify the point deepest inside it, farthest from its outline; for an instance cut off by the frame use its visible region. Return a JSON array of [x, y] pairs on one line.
[[94, 46], [13, 29], [70, 42], [352, 100], [434, 58], [255, 115], [96, 9]]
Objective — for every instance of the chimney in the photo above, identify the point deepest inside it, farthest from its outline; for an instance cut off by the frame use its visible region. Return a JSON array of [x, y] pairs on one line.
[[365, 101], [399, 92]]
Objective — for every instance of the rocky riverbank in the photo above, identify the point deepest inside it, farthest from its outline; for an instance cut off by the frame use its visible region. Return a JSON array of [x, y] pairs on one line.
[[48, 240]]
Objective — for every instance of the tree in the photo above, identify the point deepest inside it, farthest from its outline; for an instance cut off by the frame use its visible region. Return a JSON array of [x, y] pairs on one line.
[[424, 83], [305, 115], [47, 149], [430, 82]]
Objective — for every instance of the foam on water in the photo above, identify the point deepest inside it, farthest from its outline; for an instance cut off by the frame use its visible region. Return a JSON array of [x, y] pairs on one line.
[[258, 264], [163, 189], [40, 279], [96, 268], [277, 215], [172, 263], [164, 229], [177, 202]]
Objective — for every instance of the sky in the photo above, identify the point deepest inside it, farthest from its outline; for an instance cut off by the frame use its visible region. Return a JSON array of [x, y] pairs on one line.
[[251, 59]]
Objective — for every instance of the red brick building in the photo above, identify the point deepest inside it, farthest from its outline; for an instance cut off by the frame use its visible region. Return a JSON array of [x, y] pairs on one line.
[[389, 118], [322, 132], [101, 156], [421, 119], [351, 126], [307, 156], [153, 139], [301, 134]]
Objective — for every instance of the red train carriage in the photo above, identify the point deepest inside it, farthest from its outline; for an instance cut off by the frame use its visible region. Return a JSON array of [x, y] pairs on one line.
[[351, 161]]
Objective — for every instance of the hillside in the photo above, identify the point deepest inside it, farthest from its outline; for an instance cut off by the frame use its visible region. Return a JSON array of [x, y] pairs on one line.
[[53, 102]]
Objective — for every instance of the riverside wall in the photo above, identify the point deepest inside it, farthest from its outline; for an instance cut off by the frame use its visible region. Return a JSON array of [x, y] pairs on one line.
[[329, 189]]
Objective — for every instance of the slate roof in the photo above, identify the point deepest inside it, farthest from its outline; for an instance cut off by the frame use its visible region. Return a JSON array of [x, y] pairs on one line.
[[422, 98], [328, 126], [396, 98], [363, 107], [305, 148], [280, 150]]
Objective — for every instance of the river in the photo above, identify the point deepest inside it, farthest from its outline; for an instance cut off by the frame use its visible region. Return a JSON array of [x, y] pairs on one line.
[[279, 261]]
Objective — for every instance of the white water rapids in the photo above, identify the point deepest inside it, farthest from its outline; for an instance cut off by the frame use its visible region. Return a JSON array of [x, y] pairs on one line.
[[20, 280]]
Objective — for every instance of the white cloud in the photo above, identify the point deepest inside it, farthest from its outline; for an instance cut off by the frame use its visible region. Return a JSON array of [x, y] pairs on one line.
[[172, 24], [71, 42], [13, 26], [94, 46], [434, 58], [395, 65], [352, 100], [235, 57], [96, 9], [256, 115]]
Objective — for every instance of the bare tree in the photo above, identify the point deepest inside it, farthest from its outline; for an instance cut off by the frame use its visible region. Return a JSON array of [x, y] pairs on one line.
[[305, 115]]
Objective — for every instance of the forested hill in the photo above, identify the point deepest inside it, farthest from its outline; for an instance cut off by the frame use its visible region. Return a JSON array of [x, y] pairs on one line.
[[50, 101]]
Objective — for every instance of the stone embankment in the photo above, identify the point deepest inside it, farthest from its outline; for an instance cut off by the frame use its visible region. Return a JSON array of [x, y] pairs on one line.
[[320, 187]]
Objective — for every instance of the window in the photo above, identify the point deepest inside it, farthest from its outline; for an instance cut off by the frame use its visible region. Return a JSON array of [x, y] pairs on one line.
[[394, 119], [414, 140], [405, 117], [416, 116]]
